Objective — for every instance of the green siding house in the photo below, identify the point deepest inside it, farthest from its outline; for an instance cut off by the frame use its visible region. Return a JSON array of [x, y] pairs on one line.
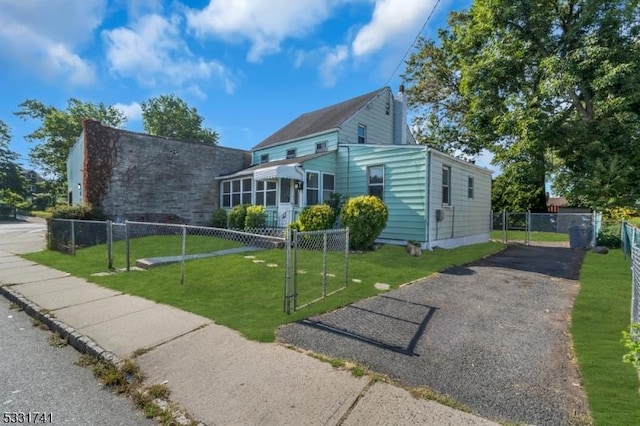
[[364, 146]]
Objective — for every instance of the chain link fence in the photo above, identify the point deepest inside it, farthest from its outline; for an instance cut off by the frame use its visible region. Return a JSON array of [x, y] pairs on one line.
[[317, 266], [575, 230], [630, 236]]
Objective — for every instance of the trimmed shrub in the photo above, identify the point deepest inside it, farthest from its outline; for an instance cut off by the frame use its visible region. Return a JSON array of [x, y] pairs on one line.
[[219, 218], [256, 217], [237, 216], [317, 217], [79, 212], [365, 216]]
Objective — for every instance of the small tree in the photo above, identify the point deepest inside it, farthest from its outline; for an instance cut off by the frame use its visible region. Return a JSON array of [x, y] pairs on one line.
[[365, 216], [256, 217], [315, 218]]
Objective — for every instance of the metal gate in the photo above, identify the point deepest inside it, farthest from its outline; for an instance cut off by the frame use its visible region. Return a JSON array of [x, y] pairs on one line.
[[317, 266], [576, 230]]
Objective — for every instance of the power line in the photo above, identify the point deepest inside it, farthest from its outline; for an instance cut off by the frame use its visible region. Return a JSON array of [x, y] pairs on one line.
[[414, 42]]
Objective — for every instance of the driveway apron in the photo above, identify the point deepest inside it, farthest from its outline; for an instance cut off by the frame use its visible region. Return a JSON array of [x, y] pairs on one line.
[[493, 335]]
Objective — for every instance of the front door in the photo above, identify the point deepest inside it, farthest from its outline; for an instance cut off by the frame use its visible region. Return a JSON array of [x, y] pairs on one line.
[[288, 199]]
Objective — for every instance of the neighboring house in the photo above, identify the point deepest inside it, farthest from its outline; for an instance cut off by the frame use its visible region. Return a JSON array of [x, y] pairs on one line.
[[135, 176], [364, 146], [33, 180]]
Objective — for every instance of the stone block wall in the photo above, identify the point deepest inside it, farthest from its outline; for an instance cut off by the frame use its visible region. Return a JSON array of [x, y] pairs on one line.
[[136, 176]]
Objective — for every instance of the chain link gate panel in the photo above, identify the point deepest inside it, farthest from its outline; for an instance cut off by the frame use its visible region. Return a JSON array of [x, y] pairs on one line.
[[317, 266]]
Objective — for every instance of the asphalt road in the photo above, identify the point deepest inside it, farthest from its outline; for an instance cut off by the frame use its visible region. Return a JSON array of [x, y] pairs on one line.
[[493, 335], [37, 377]]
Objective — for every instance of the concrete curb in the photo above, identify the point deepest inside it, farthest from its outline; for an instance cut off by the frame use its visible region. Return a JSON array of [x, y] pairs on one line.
[[77, 340]]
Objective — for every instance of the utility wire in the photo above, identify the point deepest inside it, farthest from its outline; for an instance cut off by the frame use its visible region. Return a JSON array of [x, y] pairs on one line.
[[414, 42]]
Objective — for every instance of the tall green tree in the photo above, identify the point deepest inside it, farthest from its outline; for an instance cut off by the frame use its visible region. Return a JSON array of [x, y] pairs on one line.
[[59, 130], [11, 178], [533, 77], [171, 117]]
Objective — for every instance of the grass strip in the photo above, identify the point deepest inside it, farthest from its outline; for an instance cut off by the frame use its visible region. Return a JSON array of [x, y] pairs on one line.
[[600, 314]]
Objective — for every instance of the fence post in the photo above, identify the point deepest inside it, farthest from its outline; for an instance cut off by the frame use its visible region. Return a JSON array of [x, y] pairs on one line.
[[504, 226], [184, 252], [127, 245], [346, 258], [527, 226], [109, 245], [295, 269], [324, 264], [287, 272], [73, 237]]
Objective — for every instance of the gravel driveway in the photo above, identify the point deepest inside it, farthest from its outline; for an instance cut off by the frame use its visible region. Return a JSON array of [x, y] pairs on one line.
[[493, 335]]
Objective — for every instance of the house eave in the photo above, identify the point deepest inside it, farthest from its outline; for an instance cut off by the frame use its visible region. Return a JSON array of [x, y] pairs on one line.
[[312, 135]]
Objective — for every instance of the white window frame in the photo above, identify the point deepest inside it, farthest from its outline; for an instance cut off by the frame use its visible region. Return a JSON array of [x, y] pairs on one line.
[[265, 191], [362, 138], [313, 188], [326, 193], [321, 146], [446, 185], [376, 184], [291, 153], [241, 192]]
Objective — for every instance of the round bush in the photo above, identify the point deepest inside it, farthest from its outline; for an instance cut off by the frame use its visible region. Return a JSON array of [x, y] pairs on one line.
[[317, 217], [256, 217], [219, 218], [237, 216], [365, 216]]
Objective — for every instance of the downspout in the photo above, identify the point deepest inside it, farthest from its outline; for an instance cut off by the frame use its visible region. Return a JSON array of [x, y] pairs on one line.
[[348, 164], [427, 214]]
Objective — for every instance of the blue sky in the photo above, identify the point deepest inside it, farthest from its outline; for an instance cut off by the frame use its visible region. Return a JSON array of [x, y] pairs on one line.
[[248, 66]]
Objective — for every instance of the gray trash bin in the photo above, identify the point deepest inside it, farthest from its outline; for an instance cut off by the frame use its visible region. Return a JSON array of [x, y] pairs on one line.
[[579, 236]]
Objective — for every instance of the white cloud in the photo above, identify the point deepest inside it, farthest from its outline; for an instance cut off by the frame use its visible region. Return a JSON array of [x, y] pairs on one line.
[[265, 24], [332, 64], [132, 111], [393, 22], [43, 36], [152, 51]]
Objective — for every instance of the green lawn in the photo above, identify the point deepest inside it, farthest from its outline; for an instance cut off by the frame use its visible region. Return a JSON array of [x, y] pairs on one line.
[[246, 293], [535, 236], [600, 313]]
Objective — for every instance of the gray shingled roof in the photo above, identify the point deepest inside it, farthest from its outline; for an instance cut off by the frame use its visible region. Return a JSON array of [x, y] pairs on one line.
[[327, 118]]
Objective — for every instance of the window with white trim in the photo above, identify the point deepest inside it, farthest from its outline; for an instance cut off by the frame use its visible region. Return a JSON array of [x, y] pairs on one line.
[[264, 158], [265, 193], [237, 191], [362, 133], [470, 187], [313, 188], [446, 185], [291, 153], [328, 186], [321, 146], [375, 181]]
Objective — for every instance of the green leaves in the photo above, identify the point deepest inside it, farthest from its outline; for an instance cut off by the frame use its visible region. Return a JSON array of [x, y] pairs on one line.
[[523, 77], [171, 117], [59, 129]]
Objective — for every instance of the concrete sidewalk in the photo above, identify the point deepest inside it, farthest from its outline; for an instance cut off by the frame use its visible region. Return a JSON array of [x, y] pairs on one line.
[[218, 376]]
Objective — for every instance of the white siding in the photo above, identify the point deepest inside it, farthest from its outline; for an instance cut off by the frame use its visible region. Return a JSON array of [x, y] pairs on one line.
[[464, 217], [75, 160]]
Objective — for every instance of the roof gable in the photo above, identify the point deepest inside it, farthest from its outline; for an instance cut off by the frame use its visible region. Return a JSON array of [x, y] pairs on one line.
[[321, 120]]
